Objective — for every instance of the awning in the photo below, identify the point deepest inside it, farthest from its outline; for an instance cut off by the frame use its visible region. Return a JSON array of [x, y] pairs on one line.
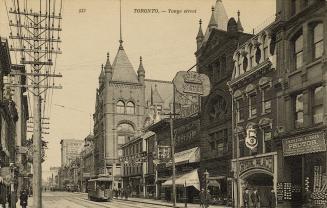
[[214, 183], [101, 179], [190, 178], [187, 156]]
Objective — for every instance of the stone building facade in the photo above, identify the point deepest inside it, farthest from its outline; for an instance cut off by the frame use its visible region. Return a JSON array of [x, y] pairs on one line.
[[301, 34]]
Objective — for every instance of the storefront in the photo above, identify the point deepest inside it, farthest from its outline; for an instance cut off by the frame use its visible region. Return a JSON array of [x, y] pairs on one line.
[[305, 169], [187, 186], [257, 172], [187, 163]]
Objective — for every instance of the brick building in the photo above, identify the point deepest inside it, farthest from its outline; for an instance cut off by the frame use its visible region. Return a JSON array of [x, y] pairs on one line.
[[215, 59]]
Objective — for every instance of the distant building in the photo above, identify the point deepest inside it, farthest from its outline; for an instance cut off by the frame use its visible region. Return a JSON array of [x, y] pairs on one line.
[[70, 149], [126, 103], [87, 165], [54, 178]]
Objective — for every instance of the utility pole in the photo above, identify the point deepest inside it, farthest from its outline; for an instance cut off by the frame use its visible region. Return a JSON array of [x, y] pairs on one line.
[[36, 44]]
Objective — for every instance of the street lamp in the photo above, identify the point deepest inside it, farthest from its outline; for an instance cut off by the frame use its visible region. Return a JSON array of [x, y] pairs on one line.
[[206, 176]]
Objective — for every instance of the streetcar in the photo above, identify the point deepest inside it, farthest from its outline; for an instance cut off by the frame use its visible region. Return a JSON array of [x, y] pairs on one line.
[[99, 189]]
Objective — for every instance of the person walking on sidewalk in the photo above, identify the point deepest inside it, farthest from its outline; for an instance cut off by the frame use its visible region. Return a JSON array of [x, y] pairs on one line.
[[255, 198], [23, 198], [246, 198]]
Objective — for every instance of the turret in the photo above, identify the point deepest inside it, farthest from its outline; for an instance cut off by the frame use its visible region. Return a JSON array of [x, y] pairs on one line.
[[101, 76], [108, 69], [239, 24], [141, 72], [200, 36], [212, 22]]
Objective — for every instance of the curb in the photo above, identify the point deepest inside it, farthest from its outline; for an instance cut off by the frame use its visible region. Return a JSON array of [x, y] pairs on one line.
[[145, 202]]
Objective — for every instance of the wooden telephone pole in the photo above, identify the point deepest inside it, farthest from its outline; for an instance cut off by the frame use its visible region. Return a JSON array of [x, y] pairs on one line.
[[36, 43]]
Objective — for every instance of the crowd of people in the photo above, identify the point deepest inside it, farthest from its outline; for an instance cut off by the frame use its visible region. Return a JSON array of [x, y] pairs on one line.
[[122, 193]]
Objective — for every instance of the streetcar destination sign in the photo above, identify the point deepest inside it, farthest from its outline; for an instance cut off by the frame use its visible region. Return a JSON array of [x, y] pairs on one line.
[[304, 144]]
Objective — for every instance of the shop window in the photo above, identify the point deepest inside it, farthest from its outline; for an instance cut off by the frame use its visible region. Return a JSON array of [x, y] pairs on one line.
[[298, 110], [318, 40], [120, 107], [130, 108], [298, 52], [252, 105], [318, 105]]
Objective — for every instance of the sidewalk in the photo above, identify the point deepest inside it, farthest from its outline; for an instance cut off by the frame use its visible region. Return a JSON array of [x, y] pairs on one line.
[[164, 203]]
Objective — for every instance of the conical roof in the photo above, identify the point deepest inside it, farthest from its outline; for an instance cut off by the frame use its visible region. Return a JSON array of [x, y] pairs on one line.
[[108, 66], [122, 68], [200, 33], [220, 19]]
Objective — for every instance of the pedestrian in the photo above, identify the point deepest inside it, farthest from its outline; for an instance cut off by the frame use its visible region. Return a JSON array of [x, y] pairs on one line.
[[246, 198], [23, 198], [3, 195], [126, 193], [9, 196], [272, 199], [119, 193], [255, 198], [207, 199], [202, 198]]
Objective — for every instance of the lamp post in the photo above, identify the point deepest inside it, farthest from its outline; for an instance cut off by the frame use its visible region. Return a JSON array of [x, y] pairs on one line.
[[206, 176]]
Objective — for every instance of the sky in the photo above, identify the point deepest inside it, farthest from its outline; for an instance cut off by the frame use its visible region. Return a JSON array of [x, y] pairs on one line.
[[166, 41]]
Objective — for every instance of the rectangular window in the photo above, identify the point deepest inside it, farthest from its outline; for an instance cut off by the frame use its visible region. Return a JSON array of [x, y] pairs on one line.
[[121, 139], [298, 110], [298, 52], [318, 105], [252, 105], [318, 43], [266, 103], [220, 148], [239, 110]]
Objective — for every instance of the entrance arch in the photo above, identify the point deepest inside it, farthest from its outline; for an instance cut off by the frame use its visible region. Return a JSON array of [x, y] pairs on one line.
[[260, 180]]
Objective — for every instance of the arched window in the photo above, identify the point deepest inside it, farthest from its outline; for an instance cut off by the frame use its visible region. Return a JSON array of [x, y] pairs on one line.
[[265, 47], [318, 40], [120, 107], [251, 56], [258, 55], [298, 51], [245, 63], [130, 108], [124, 132]]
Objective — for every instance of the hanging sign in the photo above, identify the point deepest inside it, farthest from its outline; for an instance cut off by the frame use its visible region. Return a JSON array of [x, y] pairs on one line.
[[190, 82], [251, 138]]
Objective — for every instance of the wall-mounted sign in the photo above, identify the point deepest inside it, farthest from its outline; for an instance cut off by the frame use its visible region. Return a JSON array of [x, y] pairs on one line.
[[265, 162], [305, 144], [251, 138]]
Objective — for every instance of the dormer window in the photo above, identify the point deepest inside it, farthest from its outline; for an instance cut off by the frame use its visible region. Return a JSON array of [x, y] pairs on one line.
[[245, 63], [251, 56], [265, 47]]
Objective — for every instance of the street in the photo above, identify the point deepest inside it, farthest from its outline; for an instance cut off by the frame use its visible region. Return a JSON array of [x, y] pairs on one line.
[[72, 200]]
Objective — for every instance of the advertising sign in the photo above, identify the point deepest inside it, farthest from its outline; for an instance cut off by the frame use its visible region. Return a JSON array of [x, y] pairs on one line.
[[304, 144], [189, 86], [251, 138], [190, 82]]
